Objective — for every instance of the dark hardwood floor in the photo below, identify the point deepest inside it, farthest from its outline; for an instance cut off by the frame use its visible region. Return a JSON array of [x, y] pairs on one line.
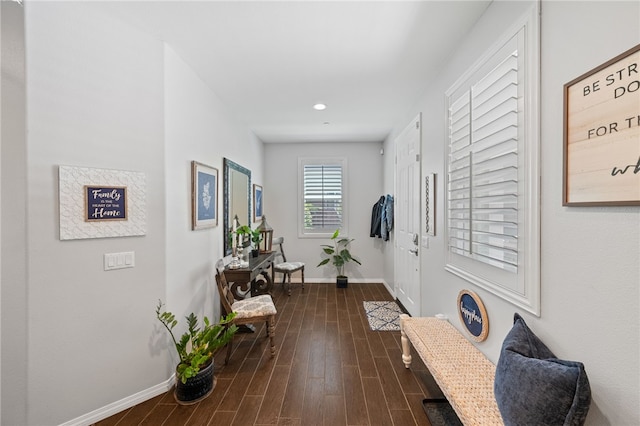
[[330, 369]]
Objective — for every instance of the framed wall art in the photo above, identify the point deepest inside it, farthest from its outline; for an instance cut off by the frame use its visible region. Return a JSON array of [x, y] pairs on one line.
[[204, 196], [602, 134], [101, 203], [257, 203]]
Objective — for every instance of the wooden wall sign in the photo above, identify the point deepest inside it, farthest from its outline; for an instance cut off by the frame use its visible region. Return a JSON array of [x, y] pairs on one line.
[[602, 134], [105, 203], [473, 315]]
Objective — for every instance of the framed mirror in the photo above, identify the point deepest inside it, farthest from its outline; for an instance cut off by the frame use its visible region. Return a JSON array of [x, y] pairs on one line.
[[237, 198]]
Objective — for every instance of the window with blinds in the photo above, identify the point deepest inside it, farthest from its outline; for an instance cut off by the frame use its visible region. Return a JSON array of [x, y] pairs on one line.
[[322, 185], [483, 169], [492, 190]]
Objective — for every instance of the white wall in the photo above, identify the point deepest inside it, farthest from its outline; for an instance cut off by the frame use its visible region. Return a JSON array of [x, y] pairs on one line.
[[94, 99], [78, 342], [13, 312], [590, 270], [590, 256], [388, 185], [198, 128], [364, 165]]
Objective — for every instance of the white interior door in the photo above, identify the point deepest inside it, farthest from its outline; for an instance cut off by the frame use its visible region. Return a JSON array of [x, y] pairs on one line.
[[407, 217]]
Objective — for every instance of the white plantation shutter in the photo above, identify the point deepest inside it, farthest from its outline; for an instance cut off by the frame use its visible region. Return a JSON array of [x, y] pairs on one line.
[[492, 211], [459, 190], [494, 137], [483, 169], [322, 183]]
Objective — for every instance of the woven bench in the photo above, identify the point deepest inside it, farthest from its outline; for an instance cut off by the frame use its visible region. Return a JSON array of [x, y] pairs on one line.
[[463, 373]]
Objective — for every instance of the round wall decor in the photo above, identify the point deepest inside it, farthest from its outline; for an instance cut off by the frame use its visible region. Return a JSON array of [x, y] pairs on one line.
[[473, 315]]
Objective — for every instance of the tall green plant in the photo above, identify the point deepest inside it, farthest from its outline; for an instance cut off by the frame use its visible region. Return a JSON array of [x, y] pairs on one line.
[[338, 253], [196, 346]]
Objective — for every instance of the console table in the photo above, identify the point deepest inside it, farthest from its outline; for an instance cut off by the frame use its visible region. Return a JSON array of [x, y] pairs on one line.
[[254, 279]]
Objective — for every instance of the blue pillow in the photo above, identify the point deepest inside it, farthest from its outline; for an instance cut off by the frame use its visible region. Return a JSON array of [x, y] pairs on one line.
[[534, 387]]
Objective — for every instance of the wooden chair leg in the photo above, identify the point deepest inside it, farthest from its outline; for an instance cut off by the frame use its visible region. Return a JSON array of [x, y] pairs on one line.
[[271, 327], [302, 272], [289, 286], [284, 281]]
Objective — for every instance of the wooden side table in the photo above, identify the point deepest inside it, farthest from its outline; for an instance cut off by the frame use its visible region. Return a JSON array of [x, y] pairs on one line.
[[254, 279]]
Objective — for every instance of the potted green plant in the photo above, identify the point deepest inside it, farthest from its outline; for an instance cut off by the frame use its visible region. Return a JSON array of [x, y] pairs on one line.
[[339, 255], [194, 372], [247, 234], [256, 239], [244, 234]]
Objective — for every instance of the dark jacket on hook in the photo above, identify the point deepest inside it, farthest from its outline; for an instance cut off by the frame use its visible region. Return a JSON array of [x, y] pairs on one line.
[[376, 218]]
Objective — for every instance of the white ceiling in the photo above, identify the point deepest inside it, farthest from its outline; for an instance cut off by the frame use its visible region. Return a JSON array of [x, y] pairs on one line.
[[270, 61]]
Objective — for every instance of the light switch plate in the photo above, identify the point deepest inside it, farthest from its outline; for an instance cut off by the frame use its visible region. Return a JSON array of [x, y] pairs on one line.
[[122, 260], [425, 241]]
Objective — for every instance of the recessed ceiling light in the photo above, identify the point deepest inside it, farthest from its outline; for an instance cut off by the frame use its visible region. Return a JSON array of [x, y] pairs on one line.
[[326, 123], [319, 107]]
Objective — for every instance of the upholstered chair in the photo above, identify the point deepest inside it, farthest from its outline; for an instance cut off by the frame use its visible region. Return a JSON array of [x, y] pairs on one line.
[[281, 265], [248, 311]]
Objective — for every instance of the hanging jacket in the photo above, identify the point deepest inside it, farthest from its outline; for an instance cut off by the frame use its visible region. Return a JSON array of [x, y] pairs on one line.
[[386, 218], [376, 218]]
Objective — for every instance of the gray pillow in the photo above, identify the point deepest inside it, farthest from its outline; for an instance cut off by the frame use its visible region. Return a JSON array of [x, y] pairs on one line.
[[533, 387]]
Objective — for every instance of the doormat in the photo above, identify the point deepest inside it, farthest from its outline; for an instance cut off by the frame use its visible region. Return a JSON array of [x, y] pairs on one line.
[[440, 413], [383, 316]]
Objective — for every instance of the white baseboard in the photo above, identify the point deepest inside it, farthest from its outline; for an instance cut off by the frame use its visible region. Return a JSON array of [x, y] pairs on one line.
[[391, 291], [123, 404], [296, 280]]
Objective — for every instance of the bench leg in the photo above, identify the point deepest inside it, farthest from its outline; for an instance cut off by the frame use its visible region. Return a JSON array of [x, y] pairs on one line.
[[406, 346]]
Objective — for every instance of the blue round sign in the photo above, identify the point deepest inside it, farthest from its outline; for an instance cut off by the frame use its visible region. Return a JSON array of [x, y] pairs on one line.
[[473, 315]]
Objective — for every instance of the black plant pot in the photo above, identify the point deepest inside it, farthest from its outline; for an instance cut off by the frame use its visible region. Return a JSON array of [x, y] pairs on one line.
[[255, 253], [197, 388], [342, 281]]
